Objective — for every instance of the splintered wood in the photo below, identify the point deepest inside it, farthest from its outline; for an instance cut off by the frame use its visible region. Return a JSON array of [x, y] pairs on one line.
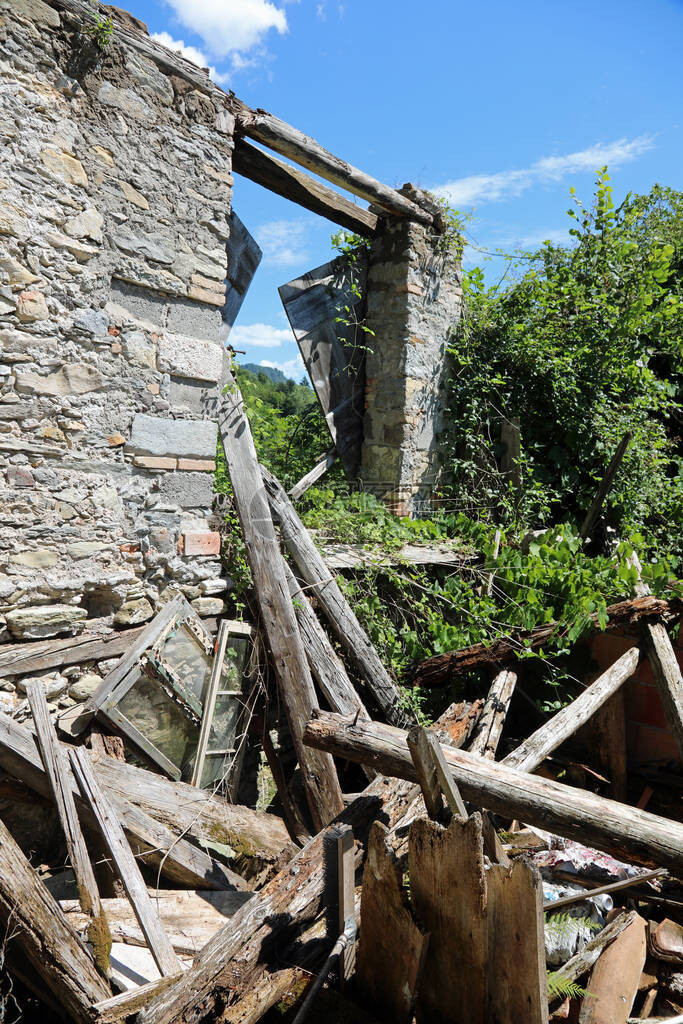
[[448, 891], [393, 946], [466, 947]]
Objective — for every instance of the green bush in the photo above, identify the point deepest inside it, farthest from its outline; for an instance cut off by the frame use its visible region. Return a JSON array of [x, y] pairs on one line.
[[585, 345]]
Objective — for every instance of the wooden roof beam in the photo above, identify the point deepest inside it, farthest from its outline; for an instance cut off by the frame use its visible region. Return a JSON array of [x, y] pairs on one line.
[[289, 142], [293, 184]]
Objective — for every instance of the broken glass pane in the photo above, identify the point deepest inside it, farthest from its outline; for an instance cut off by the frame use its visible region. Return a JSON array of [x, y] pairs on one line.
[[160, 720]]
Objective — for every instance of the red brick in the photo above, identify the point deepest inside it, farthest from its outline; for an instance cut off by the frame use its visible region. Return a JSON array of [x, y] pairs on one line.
[[201, 543], [646, 743], [643, 705], [607, 647]]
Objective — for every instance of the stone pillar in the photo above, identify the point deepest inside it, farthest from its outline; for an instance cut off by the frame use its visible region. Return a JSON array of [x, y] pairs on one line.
[[414, 299]]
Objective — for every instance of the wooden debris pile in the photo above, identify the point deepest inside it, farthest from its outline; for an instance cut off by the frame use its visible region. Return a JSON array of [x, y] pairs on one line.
[[456, 886]]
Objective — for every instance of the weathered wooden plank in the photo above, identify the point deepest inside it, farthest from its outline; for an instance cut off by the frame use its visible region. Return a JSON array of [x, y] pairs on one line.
[[626, 832], [177, 859], [189, 918], [36, 925], [440, 669], [425, 770], [126, 1004], [488, 732], [291, 183], [258, 839], [326, 666], [359, 556], [313, 475], [536, 748], [319, 579], [604, 488], [516, 975], [613, 982], [448, 892], [237, 956], [56, 768], [392, 946], [275, 604], [293, 144], [126, 865]]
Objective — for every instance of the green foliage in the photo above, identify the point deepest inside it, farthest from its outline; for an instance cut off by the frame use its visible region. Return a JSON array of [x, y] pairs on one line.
[[101, 31], [412, 612], [557, 927], [587, 344], [352, 248], [287, 424], [562, 988]]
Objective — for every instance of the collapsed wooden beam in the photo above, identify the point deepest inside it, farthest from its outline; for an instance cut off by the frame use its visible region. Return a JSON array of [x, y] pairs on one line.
[[257, 838], [295, 684], [529, 755], [293, 184], [490, 727], [325, 663], [176, 858], [440, 668], [238, 956], [625, 832], [321, 467], [36, 924], [324, 588], [293, 144], [126, 865], [56, 768]]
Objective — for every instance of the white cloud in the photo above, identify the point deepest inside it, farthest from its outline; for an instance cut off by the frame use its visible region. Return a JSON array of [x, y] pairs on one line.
[[481, 188], [227, 26], [191, 53], [293, 368], [320, 11], [283, 241], [259, 336]]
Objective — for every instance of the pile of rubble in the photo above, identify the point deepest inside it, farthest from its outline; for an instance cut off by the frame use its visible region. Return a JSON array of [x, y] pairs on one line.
[[488, 891]]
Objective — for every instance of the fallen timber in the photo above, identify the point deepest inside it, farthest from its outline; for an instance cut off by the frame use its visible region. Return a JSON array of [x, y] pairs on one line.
[[626, 832], [36, 924], [529, 755], [235, 959], [315, 573], [664, 665], [162, 847], [441, 668], [295, 685]]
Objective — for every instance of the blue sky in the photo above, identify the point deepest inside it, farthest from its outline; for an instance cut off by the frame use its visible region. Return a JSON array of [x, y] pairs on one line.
[[499, 106]]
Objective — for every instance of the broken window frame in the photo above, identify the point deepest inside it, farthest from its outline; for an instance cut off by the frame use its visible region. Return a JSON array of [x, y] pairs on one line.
[[146, 658]]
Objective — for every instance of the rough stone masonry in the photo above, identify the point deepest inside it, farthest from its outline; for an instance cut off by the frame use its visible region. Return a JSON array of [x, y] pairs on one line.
[[115, 216], [115, 193]]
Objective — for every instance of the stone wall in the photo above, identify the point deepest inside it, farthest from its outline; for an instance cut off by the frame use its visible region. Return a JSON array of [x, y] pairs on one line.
[[414, 299], [115, 194]]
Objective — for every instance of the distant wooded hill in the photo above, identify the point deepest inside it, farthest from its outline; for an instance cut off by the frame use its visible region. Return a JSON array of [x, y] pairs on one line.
[[270, 371]]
